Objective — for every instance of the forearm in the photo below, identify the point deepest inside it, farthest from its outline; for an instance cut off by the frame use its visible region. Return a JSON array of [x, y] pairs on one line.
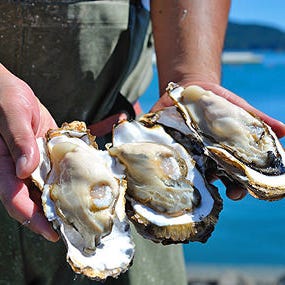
[[189, 36]]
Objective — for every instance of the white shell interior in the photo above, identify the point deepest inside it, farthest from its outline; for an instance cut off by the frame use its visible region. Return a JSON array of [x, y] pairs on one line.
[[128, 132], [117, 244], [40, 173]]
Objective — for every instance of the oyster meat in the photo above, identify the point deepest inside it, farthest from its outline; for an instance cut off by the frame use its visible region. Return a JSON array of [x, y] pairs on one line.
[[244, 147], [83, 195], [168, 199]]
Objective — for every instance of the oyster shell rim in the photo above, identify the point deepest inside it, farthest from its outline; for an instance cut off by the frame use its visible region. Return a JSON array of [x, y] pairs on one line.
[[121, 224], [143, 227], [259, 189]]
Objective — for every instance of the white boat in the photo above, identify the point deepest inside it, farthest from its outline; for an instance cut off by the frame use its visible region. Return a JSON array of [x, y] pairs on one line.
[[232, 57]]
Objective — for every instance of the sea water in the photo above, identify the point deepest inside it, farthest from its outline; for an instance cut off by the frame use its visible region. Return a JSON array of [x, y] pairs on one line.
[[249, 231]]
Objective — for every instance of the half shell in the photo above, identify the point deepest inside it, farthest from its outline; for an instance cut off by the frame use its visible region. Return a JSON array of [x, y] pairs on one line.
[[245, 147], [168, 199], [83, 195]]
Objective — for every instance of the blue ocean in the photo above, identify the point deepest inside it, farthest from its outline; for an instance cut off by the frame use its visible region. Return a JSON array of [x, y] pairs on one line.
[[250, 231]]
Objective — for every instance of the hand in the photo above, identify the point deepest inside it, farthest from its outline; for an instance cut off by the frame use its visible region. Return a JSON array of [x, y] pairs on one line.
[[234, 191], [23, 119]]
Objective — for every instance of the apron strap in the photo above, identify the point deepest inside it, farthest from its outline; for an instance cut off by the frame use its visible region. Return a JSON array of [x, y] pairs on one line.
[[132, 41]]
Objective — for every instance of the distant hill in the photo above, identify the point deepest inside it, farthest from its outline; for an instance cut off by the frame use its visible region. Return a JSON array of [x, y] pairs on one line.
[[251, 36]]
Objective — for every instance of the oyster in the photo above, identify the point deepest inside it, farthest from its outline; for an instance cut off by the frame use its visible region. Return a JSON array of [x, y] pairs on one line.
[[168, 199], [244, 147], [83, 195]]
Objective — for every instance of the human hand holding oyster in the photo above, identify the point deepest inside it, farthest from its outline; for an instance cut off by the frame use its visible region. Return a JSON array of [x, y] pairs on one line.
[[244, 147], [23, 118], [181, 207], [165, 158], [234, 191]]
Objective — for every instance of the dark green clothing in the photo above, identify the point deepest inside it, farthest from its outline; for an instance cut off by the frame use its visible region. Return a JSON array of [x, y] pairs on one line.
[[76, 56], [27, 258], [83, 51]]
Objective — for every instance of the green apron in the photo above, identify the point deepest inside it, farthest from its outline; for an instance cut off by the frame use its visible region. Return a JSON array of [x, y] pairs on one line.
[[78, 56]]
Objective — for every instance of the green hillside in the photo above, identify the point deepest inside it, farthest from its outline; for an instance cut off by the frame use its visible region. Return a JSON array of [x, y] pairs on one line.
[[251, 36]]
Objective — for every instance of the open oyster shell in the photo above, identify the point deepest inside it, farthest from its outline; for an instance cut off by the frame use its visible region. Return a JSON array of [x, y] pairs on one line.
[[168, 199], [83, 195], [244, 147]]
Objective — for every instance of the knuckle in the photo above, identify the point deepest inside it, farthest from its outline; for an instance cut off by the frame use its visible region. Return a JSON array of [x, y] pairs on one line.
[[8, 205], [9, 188]]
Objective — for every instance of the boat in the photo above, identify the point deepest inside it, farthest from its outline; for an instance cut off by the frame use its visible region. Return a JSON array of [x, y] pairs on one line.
[[241, 57]]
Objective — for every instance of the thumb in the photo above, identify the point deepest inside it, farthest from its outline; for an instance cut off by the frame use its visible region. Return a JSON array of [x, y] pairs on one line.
[[18, 133], [28, 160], [19, 119], [29, 156], [22, 146]]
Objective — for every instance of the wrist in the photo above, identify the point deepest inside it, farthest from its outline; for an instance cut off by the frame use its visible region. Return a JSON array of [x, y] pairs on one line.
[[211, 78], [3, 69], [184, 77]]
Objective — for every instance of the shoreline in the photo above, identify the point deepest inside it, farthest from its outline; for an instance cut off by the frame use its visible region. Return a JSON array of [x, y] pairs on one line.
[[228, 274]]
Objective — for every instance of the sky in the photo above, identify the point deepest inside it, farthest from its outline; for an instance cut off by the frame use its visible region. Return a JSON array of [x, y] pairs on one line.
[[268, 12]]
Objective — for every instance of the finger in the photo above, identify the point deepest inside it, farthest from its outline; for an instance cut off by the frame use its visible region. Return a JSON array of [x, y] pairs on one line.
[[45, 123], [15, 197], [19, 134], [24, 210], [137, 108], [234, 191], [163, 102], [105, 126]]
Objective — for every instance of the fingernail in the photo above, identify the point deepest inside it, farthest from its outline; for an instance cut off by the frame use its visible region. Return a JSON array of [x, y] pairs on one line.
[[122, 117], [49, 237], [46, 236], [240, 194], [20, 165], [237, 197], [234, 193]]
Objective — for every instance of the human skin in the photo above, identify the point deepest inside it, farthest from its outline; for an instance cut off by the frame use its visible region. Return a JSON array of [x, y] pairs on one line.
[[180, 58], [22, 119], [189, 38]]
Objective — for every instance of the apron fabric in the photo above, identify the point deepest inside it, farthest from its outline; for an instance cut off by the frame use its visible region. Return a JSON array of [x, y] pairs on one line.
[[83, 51], [77, 56]]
